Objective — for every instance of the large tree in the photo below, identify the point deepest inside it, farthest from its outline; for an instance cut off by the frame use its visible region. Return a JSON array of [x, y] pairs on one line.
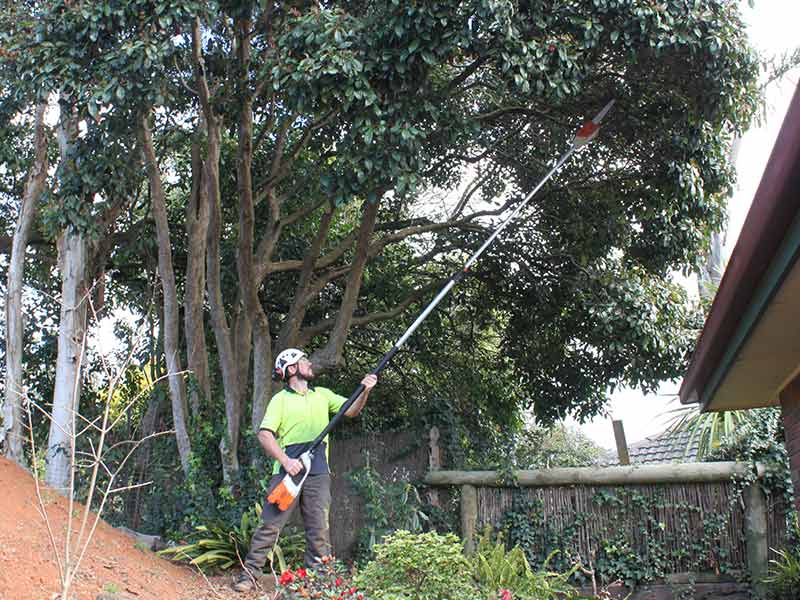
[[300, 138]]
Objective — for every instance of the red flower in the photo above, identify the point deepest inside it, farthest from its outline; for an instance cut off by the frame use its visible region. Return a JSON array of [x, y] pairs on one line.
[[551, 48], [505, 595], [286, 577], [352, 591], [338, 582], [301, 573]]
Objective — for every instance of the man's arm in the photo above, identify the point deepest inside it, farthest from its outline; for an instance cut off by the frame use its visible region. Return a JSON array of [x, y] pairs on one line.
[[270, 445], [368, 382]]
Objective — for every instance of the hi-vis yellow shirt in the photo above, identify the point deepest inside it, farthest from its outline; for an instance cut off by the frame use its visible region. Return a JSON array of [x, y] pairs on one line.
[[299, 418]]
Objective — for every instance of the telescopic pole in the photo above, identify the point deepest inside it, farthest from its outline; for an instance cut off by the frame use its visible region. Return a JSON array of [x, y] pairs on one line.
[[585, 135]]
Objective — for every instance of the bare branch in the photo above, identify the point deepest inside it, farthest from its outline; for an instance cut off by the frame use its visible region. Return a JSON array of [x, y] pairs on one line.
[[359, 321]]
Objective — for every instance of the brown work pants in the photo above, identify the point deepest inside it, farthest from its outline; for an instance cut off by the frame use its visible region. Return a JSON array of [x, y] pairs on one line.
[[315, 504]]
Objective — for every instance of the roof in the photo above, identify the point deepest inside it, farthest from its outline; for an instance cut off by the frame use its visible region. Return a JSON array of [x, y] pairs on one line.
[[749, 348], [665, 447]]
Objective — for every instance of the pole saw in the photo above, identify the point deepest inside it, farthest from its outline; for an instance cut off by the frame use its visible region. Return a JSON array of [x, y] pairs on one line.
[[289, 488]]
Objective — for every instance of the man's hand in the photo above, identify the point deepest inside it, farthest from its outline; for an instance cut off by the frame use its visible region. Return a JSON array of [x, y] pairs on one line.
[[292, 466], [369, 381]]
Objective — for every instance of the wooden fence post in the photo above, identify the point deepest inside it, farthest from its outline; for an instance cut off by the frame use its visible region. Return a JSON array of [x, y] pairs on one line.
[[469, 516], [622, 444], [434, 462], [755, 526]]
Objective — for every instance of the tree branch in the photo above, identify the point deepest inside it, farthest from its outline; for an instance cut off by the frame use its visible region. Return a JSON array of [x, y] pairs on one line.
[[321, 327], [331, 353]]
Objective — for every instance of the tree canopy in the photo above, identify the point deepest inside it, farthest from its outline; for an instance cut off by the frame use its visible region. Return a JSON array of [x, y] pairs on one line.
[[271, 174]]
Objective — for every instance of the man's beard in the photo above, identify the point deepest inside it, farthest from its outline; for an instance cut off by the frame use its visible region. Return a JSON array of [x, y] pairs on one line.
[[310, 376]]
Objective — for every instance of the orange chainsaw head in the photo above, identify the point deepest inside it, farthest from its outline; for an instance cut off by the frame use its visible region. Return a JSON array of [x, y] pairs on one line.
[[282, 496]]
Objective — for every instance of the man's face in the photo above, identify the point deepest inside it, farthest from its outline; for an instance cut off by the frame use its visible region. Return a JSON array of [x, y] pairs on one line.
[[304, 369]]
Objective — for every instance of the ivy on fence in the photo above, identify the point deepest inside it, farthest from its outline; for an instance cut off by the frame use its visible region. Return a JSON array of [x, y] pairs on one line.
[[642, 537]]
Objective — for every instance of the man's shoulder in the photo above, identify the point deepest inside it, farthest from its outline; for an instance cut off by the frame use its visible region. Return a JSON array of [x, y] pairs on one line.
[[279, 396]]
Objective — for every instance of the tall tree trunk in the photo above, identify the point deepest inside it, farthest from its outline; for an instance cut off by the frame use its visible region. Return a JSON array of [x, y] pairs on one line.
[[219, 321], [262, 367], [256, 323], [73, 262], [73, 251], [196, 232], [171, 315], [11, 431], [141, 460]]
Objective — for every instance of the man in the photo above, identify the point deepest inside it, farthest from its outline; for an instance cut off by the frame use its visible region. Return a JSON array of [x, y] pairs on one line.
[[296, 416]]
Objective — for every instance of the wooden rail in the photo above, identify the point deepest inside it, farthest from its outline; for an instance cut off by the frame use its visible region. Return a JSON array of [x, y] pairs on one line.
[[630, 475]]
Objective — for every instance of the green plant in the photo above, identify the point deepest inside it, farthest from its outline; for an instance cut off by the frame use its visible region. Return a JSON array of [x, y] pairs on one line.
[[111, 588], [424, 566], [496, 568], [328, 581], [708, 430], [218, 546], [629, 539], [499, 571], [783, 580], [388, 506]]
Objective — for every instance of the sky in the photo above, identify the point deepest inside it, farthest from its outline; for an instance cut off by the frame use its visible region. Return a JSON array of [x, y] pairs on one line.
[[772, 30]]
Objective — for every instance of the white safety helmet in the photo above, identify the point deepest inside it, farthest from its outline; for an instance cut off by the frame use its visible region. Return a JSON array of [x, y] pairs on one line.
[[284, 360]]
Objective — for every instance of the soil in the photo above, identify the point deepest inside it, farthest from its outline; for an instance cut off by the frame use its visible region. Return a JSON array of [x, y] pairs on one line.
[[114, 562]]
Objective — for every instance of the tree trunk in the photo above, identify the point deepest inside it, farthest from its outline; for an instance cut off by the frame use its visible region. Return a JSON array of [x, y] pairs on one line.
[[11, 432], [196, 232], [73, 251], [219, 322], [262, 368], [256, 325], [73, 263], [141, 460], [171, 316]]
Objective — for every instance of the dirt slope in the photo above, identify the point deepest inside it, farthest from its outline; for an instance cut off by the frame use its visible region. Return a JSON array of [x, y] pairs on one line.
[[28, 569]]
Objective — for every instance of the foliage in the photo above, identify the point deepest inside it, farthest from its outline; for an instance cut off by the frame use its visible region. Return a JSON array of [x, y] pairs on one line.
[[340, 107], [497, 569], [783, 580], [217, 546], [421, 566], [557, 446], [685, 545], [388, 506], [330, 580], [707, 429], [760, 440]]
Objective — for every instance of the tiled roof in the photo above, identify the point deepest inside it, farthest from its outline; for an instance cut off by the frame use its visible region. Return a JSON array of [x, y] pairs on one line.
[[665, 447]]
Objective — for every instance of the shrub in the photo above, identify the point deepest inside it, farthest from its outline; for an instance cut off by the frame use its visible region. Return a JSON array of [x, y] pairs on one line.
[[218, 546], [425, 566], [501, 573], [329, 581], [783, 581], [388, 506]]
